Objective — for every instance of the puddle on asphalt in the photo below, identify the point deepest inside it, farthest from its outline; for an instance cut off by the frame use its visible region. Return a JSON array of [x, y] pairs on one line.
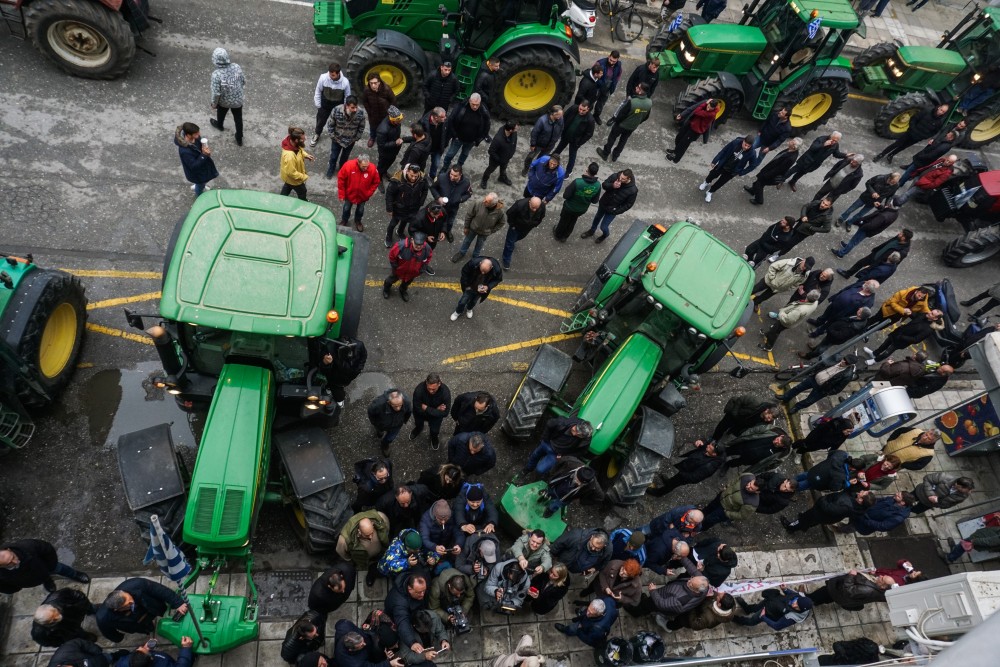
[[121, 401]]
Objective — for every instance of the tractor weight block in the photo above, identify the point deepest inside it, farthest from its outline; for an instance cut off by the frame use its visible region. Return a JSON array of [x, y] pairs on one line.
[[520, 511], [147, 461], [656, 433], [309, 459], [668, 402], [550, 367]]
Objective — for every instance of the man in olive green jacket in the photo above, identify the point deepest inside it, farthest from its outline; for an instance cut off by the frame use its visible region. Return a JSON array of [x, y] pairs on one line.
[[363, 539], [738, 500]]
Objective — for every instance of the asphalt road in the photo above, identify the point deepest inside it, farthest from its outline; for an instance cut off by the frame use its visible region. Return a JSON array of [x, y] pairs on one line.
[[90, 181]]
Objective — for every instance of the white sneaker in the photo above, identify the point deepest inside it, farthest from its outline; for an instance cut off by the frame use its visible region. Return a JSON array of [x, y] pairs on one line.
[[192, 187], [708, 197], [745, 256], [703, 186], [468, 313], [454, 317], [314, 140]]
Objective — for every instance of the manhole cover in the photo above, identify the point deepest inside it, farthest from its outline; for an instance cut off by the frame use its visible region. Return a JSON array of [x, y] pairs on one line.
[[283, 593]]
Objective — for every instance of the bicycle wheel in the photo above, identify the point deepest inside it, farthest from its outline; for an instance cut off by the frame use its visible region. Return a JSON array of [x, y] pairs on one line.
[[604, 6], [628, 26]]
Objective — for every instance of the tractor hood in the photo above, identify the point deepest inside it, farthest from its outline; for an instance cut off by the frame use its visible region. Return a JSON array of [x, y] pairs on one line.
[[837, 14], [727, 38], [253, 262], [619, 386], [931, 59]]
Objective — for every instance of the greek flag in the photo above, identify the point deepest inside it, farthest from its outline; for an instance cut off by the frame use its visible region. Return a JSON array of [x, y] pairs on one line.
[[676, 22], [168, 557], [814, 26]]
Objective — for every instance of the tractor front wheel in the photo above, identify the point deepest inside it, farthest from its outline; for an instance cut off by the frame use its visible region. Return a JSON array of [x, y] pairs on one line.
[[319, 518], [83, 38], [730, 100], [534, 78], [893, 119], [527, 408], [984, 128], [399, 71], [817, 102], [666, 39], [170, 513], [973, 248], [874, 55], [629, 478]]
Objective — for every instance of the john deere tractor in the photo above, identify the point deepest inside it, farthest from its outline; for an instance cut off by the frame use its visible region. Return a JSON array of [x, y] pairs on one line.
[[257, 288], [962, 70], [42, 315], [782, 53], [403, 41], [663, 307]]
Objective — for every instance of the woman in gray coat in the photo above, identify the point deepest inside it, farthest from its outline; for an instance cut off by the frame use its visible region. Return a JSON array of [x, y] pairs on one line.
[[941, 490]]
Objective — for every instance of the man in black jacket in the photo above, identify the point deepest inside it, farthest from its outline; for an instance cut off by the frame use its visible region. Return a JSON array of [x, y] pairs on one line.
[[826, 382], [839, 331], [620, 192], [475, 511], [578, 128], [931, 382], [647, 74], [755, 445], [29, 563], [468, 126], [590, 86], [333, 588], [772, 241], [743, 412], [403, 602], [60, 618], [819, 150], [696, 466], [545, 134], [306, 634], [924, 125], [134, 606], [899, 243], [450, 192], [480, 275], [374, 479], [440, 88], [929, 154], [580, 194], [735, 159], [431, 402], [772, 133], [405, 506], [501, 151], [388, 413], [472, 452], [831, 508], [431, 221], [842, 178], [523, 216], [435, 122], [872, 224], [475, 412], [486, 82], [562, 436], [403, 198], [80, 653], [718, 559], [878, 189], [418, 151], [774, 171], [919, 328], [389, 141]]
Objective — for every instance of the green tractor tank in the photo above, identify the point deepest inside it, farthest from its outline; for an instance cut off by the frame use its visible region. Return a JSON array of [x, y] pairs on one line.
[[404, 41], [257, 288]]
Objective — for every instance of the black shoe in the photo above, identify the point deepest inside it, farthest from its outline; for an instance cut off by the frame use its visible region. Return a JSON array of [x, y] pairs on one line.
[[415, 432], [843, 273], [81, 577], [504, 179], [603, 153], [404, 294], [450, 237], [239, 141], [562, 628], [966, 303], [216, 124], [435, 443], [601, 239], [329, 175], [813, 321], [457, 257], [524, 172], [370, 577], [587, 234], [792, 186], [748, 189], [548, 512], [49, 586], [789, 526], [614, 158], [482, 184], [385, 291], [836, 253], [384, 448], [388, 242], [429, 270], [598, 120], [506, 266], [671, 156]]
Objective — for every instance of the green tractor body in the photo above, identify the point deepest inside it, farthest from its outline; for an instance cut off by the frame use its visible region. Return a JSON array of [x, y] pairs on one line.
[[257, 287], [777, 56], [403, 41], [663, 307]]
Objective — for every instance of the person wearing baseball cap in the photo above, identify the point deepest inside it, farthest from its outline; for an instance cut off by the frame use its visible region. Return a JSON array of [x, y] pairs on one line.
[[430, 221]]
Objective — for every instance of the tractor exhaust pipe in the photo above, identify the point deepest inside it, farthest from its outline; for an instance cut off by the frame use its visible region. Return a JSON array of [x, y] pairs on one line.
[[165, 350]]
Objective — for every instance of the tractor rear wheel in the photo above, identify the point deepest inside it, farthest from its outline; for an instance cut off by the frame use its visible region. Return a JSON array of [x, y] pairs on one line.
[[666, 39], [973, 248], [630, 478], [874, 55], [893, 119], [83, 38], [319, 518], [984, 127], [399, 71], [814, 105], [534, 78], [527, 408], [171, 515], [47, 330], [730, 100]]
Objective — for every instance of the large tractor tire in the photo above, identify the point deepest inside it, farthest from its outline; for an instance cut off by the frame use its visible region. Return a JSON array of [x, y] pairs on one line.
[[81, 37], [634, 476], [874, 55], [170, 513], [984, 127], [399, 71], [46, 330], [893, 119], [731, 101], [666, 39], [534, 78], [973, 248], [814, 105], [319, 518], [526, 410]]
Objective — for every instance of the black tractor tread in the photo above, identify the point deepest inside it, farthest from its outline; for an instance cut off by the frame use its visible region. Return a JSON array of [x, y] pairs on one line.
[[888, 112], [836, 86], [702, 90], [975, 117], [665, 38], [368, 53], [527, 409], [325, 514], [975, 242], [170, 513], [874, 54], [636, 476], [555, 62], [60, 287], [116, 30]]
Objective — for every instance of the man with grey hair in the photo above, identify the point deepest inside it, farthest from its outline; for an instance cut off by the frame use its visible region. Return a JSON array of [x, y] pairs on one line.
[[468, 126], [794, 314], [838, 332], [844, 304], [60, 618], [388, 413], [773, 173], [821, 148], [842, 178], [878, 189], [593, 624], [678, 596], [929, 177], [134, 606]]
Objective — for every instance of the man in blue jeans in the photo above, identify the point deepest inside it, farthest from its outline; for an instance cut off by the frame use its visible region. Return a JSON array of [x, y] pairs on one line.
[[480, 276], [523, 216], [388, 413], [619, 196], [562, 436]]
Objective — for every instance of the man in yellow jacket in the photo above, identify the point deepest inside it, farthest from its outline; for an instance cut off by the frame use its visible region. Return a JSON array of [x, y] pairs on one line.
[[293, 163], [913, 446], [904, 303]]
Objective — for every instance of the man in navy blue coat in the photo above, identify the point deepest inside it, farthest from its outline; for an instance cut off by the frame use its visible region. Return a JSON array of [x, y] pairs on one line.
[[593, 625], [735, 159], [134, 606]]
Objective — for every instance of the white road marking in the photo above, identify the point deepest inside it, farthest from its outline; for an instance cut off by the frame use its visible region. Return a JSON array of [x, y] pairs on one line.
[[293, 2]]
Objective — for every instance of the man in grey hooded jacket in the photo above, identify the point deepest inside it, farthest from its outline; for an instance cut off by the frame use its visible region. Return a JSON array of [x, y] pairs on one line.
[[227, 92]]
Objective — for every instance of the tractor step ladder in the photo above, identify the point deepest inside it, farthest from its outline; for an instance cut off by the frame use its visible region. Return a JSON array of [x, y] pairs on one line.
[[15, 429], [14, 20], [768, 94], [579, 321], [466, 70]]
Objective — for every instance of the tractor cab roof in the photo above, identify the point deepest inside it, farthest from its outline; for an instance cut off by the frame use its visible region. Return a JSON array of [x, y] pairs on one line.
[[728, 38], [837, 14], [932, 59], [699, 278], [253, 262]]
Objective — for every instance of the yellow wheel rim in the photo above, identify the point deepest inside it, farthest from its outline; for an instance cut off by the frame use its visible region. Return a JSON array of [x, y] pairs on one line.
[[613, 469], [901, 123], [300, 516], [58, 340], [986, 130], [811, 109], [530, 90], [720, 108], [391, 76]]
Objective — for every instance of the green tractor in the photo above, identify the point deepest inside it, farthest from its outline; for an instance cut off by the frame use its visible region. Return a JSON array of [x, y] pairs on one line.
[[404, 40], [960, 70], [257, 287], [42, 318], [665, 305], [782, 53]]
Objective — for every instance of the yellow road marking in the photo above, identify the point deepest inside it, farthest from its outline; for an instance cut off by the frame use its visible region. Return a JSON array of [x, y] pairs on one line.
[[866, 98], [122, 300], [118, 333], [111, 273], [531, 306], [490, 351], [760, 360], [455, 287], [85, 364]]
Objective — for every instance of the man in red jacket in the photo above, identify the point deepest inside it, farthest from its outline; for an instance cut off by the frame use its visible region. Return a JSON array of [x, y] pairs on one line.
[[357, 181], [407, 258], [697, 121], [930, 177]]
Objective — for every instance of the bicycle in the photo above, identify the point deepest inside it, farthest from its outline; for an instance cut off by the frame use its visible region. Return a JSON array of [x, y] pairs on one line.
[[626, 22]]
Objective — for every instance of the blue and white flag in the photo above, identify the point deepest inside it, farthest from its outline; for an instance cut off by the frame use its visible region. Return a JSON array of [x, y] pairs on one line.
[[168, 557], [676, 22], [814, 26]]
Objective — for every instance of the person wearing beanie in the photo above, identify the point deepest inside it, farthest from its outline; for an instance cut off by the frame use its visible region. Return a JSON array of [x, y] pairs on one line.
[[842, 178], [406, 552], [570, 479], [619, 580], [389, 141], [782, 276], [735, 159], [475, 511], [531, 550], [628, 543], [439, 531], [780, 609]]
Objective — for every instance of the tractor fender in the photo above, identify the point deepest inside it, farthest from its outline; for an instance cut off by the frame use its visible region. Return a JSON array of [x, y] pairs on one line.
[[538, 40], [656, 433], [309, 460], [397, 41], [829, 72], [550, 368], [730, 81]]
